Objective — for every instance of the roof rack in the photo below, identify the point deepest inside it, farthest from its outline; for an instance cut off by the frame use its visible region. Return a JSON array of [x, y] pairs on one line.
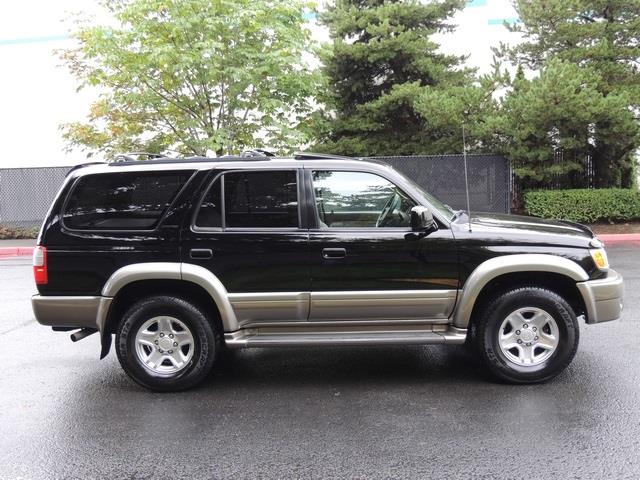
[[130, 156], [82, 165], [320, 156]]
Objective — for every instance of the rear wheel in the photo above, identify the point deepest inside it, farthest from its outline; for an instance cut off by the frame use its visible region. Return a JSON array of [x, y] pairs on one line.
[[527, 335], [165, 343]]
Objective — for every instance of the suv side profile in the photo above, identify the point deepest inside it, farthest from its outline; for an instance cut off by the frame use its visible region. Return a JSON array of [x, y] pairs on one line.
[[179, 259]]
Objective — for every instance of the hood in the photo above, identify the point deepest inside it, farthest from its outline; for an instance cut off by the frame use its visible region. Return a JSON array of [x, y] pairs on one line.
[[532, 229]]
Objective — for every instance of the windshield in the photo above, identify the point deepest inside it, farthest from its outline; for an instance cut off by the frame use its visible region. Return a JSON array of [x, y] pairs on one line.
[[443, 208]]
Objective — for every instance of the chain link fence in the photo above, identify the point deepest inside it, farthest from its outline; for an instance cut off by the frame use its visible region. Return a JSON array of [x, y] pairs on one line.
[[27, 193], [443, 177]]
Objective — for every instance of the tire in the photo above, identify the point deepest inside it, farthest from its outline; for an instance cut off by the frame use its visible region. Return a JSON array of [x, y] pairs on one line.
[[527, 335], [146, 337]]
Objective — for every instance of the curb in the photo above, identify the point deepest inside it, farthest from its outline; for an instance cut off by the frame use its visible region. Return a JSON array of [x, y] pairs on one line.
[[620, 239], [9, 252]]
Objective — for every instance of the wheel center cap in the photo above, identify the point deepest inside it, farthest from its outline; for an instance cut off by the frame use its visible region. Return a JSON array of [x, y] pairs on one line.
[[165, 343], [527, 335]]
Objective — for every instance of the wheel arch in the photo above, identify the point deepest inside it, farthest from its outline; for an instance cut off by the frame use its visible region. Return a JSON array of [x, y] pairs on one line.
[[497, 274], [188, 281]]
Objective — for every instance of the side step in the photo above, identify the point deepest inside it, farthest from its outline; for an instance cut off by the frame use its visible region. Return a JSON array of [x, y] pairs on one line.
[[279, 338]]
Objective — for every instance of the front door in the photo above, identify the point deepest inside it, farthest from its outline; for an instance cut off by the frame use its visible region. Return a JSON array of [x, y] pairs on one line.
[[367, 264], [247, 232]]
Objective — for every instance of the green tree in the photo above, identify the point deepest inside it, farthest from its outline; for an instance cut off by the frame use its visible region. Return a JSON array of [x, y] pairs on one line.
[[379, 66], [194, 76], [559, 109], [601, 36]]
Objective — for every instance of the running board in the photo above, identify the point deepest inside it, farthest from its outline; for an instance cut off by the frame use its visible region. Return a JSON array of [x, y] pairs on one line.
[[257, 338]]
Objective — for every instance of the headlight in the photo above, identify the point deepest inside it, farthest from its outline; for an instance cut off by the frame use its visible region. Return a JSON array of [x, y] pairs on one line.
[[600, 258]]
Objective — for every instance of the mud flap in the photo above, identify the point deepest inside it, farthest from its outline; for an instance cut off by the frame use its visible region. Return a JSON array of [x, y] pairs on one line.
[[106, 345]]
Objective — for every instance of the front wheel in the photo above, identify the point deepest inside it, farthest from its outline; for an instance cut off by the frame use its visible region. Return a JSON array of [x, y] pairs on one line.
[[165, 343], [527, 335]]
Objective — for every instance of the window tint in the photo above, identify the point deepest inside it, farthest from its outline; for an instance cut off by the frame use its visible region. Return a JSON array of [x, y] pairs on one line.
[[359, 199], [261, 199], [210, 213], [122, 201]]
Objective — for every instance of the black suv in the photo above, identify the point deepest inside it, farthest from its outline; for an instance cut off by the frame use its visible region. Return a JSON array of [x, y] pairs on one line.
[[181, 258]]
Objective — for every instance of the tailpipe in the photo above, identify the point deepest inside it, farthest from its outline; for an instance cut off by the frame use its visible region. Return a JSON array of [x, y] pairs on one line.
[[83, 333]]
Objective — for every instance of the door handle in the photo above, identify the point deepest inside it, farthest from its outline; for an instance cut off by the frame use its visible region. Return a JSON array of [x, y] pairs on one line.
[[332, 253], [201, 253]]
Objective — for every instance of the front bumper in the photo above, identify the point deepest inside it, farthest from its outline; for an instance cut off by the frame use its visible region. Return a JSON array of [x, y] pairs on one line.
[[603, 297], [71, 311]]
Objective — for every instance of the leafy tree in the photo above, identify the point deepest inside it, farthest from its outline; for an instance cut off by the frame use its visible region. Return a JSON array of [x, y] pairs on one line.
[[602, 37], [560, 109], [193, 76], [378, 71]]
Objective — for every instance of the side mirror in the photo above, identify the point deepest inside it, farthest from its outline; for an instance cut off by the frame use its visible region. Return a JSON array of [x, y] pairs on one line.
[[422, 220]]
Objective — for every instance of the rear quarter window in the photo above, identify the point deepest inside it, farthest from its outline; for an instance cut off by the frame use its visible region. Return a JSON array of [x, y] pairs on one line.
[[123, 200]]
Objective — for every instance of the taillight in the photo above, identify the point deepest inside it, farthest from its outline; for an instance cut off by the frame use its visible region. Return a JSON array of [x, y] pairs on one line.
[[40, 265]]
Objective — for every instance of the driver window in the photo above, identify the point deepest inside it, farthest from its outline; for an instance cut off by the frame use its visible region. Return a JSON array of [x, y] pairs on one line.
[[359, 199]]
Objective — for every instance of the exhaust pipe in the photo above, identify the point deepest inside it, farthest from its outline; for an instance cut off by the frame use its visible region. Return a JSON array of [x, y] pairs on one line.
[[83, 333]]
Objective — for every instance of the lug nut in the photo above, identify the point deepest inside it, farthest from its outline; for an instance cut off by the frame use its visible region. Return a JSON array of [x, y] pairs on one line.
[[171, 335], [161, 334], [517, 332], [156, 342], [535, 338], [175, 344], [160, 350], [534, 329], [525, 326], [528, 344], [519, 341], [170, 352]]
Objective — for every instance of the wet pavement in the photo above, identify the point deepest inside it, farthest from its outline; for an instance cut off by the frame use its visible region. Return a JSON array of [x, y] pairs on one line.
[[341, 412]]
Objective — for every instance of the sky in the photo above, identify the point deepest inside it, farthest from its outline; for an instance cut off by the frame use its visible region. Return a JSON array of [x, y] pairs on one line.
[[37, 94]]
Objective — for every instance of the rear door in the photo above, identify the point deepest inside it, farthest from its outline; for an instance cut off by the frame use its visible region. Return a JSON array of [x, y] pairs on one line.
[[248, 232]]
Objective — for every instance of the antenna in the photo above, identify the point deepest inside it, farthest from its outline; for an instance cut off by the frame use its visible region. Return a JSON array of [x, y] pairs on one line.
[[466, 176]]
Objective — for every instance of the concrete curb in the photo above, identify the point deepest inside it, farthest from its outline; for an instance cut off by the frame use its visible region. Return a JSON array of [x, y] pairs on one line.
[[8, 252], [620, 239]]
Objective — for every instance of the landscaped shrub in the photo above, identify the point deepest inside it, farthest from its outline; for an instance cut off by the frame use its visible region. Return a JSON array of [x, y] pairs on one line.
[[12, 233], [584, 205]]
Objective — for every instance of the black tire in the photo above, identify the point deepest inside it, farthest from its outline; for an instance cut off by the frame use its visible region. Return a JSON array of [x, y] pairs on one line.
[[206, 343], [491, 319]]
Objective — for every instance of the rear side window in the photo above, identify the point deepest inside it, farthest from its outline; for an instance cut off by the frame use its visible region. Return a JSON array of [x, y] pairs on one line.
[[122, 201], [267, 199]]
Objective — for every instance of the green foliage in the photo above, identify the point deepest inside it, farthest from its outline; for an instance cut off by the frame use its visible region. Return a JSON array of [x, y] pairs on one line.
[[12, 233], [599, 40], [560, 109], [584, 205], [384, 77], [193, 76]]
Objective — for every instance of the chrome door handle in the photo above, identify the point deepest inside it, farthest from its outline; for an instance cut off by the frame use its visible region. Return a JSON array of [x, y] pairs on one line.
[[332, 253]]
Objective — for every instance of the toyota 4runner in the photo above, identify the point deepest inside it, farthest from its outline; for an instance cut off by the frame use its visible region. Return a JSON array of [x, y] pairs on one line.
[[181, 258]]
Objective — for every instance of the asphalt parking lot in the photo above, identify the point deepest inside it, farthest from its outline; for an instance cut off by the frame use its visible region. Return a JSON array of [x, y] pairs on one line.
[[346, 412]]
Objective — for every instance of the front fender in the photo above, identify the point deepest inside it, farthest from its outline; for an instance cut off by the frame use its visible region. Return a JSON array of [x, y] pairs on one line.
[[495, 267]]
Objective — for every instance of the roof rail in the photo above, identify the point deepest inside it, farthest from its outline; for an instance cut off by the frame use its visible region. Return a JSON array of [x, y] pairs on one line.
[[82, 165], [320, 156], [130, 156], [257, 152]]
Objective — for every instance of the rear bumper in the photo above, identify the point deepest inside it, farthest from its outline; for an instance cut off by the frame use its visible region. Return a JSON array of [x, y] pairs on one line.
[[603, 297], [70, 311]]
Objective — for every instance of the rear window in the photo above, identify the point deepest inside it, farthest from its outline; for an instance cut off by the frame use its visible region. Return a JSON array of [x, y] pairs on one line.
[[122, 201]]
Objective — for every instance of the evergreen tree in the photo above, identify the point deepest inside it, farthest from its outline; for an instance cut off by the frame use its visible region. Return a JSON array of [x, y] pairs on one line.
[[558, 110], [601, 38], [379, 65]]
